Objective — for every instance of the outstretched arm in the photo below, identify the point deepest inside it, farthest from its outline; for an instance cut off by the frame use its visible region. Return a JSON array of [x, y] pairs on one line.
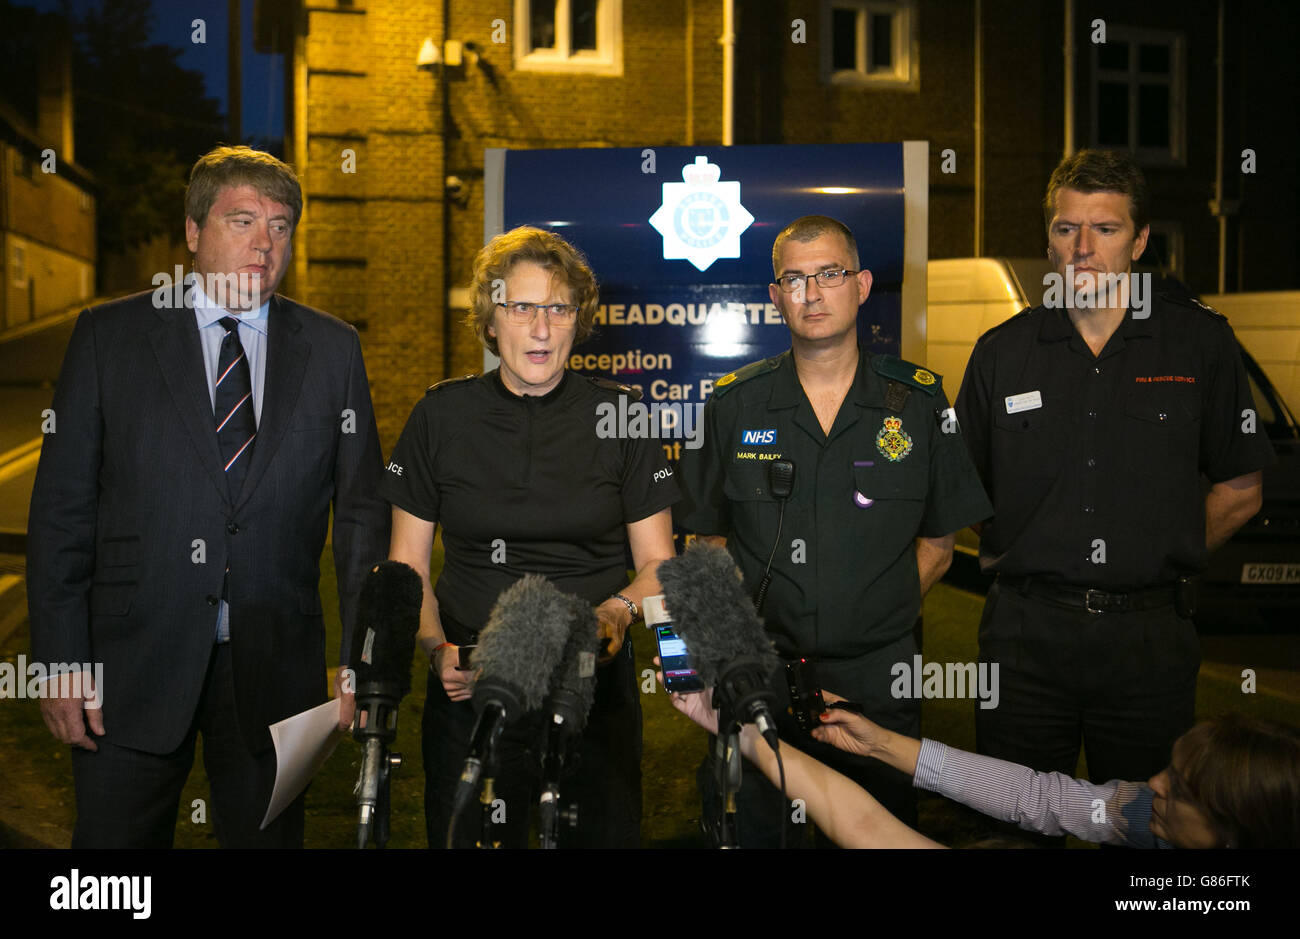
[[1048, 803], [848, 814]]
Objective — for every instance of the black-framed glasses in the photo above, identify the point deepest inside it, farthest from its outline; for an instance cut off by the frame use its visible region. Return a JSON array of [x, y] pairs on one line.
[[522, 312], [789, 283]]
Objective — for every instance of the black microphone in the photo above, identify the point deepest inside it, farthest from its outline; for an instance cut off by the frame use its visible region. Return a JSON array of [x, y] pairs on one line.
[[715, 618], [572, 691], [517, 654], [383, 644]]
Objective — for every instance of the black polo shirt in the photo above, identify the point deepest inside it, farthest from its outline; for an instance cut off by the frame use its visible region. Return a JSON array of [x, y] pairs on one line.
[[524, 484], [1094, 463], [844, 575]]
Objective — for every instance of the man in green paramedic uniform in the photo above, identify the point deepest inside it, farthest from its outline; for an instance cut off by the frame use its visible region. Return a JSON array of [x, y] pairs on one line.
[[882, 481]]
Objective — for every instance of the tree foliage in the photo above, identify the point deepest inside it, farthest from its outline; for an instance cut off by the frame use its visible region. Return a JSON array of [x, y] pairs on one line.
[[141, 121]]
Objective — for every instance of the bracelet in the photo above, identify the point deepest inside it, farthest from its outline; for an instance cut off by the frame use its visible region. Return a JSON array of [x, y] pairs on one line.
[[631, 607], [438, 648]]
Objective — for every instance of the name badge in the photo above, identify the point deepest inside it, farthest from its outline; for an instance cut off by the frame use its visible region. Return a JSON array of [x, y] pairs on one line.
[[1024, 402]]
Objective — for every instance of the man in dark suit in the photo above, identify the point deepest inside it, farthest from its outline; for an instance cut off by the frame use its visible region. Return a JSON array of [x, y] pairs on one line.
[[179, 514]]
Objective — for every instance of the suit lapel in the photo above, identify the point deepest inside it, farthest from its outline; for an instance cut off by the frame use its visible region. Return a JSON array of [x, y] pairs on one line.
[[286, 363], [175, 340]]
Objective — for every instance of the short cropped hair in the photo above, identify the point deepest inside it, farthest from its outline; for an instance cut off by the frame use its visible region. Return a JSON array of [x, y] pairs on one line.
[[1100, 171], [222, 167], [1244, 774], [498, 258], [810, 228]]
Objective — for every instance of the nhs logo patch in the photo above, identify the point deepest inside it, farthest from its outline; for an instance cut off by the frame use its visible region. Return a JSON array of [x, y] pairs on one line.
[[758, 438]]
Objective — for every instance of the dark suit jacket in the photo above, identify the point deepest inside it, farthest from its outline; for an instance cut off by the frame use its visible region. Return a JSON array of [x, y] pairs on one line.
[[132, 527]]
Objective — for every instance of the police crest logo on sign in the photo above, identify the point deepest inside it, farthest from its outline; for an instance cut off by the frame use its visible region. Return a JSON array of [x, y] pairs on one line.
[[701, 219]]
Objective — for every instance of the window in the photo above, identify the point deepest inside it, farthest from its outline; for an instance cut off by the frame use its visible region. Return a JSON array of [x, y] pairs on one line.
[[24, 165], [870, 43], [569, 36], [1137, 94]]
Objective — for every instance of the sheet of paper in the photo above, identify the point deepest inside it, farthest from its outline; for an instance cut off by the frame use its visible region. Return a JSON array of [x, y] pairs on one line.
[[302, 744]]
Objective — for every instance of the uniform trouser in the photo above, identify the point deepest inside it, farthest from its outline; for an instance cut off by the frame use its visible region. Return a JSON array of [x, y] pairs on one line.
[[129, 799], [603, 778], [759, 809], [1123, 684]]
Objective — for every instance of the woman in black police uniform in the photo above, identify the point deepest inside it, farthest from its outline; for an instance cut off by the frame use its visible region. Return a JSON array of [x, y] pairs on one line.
[[510, 464]]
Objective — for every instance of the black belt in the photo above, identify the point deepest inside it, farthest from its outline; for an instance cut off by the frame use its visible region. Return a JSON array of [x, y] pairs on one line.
[[1091, 599]]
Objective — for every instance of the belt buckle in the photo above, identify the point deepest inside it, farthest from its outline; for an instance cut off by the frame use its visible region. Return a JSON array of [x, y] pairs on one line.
[[1087, 599]]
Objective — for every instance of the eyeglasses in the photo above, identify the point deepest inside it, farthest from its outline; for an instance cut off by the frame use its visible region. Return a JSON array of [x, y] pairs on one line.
[[789, 283], [522, 313]]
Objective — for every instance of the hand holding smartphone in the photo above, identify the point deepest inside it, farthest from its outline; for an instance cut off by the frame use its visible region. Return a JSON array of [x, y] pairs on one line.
[[674, 658]]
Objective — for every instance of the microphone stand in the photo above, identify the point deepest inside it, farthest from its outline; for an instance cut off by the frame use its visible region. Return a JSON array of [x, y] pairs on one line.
[[727, 762], [559, 743], [376, 767], [486, 797], [549, 804]]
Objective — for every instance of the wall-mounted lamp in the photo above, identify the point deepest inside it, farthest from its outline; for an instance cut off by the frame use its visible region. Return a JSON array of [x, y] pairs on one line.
[[428, 57]]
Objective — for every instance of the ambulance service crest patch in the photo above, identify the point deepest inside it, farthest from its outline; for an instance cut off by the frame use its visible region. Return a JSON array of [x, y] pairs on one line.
[[892, 441]]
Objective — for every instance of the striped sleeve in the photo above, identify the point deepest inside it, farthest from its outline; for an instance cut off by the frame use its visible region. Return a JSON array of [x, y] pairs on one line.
[[1049, 803]]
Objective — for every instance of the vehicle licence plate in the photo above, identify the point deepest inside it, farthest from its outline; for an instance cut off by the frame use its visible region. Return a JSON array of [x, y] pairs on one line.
[[1270, 573]]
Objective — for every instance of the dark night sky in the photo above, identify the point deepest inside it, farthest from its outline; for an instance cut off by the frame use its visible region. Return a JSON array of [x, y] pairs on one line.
[[263, 84]]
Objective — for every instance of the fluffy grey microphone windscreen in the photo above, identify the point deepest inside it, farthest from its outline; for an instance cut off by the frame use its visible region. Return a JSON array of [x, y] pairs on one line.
[[524, 638], [576, 675], [711, 610]]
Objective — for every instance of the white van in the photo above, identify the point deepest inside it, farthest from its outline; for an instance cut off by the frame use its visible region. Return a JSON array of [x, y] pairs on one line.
[[966, 297], [1267, 324]]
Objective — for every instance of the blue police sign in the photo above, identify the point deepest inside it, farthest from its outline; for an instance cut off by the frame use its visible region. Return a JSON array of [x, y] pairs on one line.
[[683, 254]]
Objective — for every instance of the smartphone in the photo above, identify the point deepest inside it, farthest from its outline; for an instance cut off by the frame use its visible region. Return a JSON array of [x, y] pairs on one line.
[[674, 658]]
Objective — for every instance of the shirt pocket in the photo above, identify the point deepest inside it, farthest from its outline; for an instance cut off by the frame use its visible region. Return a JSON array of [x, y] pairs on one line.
[[888, 503], [1161, 431], [879, 479], [747, 482], [1027, 444], [754, 510]]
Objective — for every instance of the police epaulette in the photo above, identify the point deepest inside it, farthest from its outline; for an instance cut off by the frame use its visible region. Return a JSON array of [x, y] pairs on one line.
[[447, 382], [745, 373], [898, 369], [609, 385], [1187, 300]]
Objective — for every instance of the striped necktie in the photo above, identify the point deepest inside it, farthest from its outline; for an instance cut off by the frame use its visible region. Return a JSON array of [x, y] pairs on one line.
[[236, 421]]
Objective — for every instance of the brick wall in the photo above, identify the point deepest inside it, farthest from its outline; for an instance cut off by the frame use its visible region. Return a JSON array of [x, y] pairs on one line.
[[373, 236], [374, 239]]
